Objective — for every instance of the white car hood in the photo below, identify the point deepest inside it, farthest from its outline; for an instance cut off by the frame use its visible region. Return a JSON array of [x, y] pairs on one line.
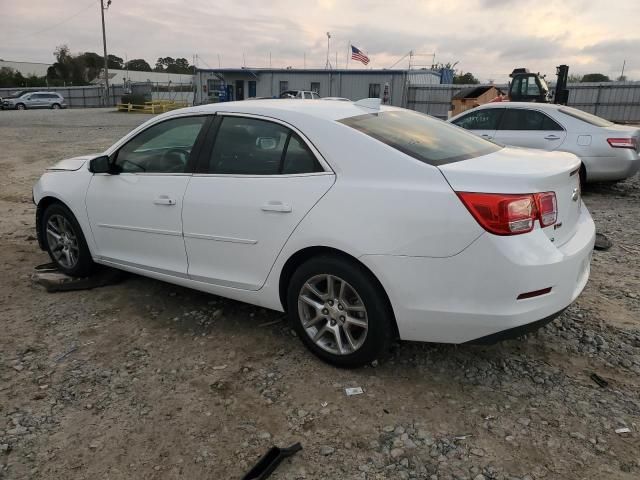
[[71, 164]]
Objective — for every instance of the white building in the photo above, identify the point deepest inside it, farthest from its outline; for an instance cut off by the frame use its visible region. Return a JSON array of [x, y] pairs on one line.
[[239, 83]]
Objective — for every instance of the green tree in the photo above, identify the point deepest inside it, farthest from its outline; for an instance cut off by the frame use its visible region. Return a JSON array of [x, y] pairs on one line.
[[115, 62], [465, 79], [138, 64], [595, 77], [171, 65]]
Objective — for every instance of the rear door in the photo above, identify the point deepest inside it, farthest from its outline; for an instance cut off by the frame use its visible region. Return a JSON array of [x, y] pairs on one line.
[[252, 188], [482, 121], [531, 128]]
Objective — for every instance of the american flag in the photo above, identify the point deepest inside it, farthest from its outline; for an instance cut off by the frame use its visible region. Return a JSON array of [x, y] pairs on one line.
[[357, 54]]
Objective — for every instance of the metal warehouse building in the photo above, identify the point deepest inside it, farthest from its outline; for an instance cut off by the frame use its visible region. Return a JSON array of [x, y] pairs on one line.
[[241, 83]]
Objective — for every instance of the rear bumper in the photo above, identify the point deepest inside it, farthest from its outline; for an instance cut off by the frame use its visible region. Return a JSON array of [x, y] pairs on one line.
[[623, 164], [473, 295]]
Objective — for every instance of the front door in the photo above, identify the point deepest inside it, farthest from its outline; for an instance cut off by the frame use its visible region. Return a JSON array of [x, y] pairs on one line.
[[524, 127], [37, 100], [136, 213], [239, 89], [249, 193]]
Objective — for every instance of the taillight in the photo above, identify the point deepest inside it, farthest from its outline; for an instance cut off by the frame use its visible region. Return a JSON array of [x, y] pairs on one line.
[[547, 208], [509, 214], [623, 142]]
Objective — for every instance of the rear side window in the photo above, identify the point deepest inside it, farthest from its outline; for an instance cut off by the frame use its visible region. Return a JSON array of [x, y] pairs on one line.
[[586, 117], [422, 137], [523, 119], [482, 119], [249, 146]]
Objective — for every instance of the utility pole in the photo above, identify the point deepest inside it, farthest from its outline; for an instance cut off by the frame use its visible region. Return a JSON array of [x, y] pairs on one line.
[[106, 60], [328, 38]]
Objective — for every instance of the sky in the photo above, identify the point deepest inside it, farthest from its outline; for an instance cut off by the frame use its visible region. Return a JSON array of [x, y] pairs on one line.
[[486, 37]]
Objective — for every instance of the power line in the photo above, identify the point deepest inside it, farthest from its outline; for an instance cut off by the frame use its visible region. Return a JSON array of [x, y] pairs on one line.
[[51, 27]]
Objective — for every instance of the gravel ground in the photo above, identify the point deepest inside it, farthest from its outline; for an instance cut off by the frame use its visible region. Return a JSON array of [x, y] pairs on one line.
[[148, 380]]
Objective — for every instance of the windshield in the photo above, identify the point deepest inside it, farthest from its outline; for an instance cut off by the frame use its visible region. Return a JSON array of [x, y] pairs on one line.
[[422, 137], [586, 117]]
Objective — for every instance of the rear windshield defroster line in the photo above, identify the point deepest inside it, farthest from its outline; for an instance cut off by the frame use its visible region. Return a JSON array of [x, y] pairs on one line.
[[422, 137]]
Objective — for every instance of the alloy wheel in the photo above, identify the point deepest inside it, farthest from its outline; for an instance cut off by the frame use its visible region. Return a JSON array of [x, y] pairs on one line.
[[63, 241], [333, 314]]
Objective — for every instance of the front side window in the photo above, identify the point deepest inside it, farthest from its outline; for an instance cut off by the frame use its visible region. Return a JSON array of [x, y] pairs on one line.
[[422, 137], [374, 90], [482, 119], [523, 119], [162, 148], [249, 146]]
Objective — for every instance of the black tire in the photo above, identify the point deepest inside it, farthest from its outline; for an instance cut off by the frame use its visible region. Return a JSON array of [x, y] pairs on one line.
[[379, 315], [21, 106], [55, 106], [583, 176], [84, 264]]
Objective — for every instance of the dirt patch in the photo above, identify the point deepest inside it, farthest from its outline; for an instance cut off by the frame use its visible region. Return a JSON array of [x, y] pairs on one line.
[[148, 380]]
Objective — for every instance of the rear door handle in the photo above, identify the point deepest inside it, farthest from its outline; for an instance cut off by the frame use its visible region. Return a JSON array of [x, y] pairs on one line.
[[484, 135], [164, 200], [276, 206], [552, 137]]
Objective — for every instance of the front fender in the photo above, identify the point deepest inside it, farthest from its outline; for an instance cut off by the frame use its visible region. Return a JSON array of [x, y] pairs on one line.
[[70, 189]]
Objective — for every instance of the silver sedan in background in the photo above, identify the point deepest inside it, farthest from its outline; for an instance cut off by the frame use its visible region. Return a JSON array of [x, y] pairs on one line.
[[608, 151]]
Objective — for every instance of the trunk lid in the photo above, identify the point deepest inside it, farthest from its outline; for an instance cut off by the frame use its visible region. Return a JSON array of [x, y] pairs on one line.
[[525, 171]]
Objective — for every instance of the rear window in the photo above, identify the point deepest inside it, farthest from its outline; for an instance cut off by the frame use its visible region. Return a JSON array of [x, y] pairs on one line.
[[586, 117], [422, 137]]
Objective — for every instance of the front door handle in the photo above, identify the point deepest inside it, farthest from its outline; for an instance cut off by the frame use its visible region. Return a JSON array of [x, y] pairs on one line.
[[552, 137], [276, 206], [164, 200], [484, 135]]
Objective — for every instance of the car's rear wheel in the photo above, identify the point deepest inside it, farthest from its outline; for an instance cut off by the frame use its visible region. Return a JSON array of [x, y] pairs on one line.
[[55, 106], [21, 106], [340, 311], [65, 242]]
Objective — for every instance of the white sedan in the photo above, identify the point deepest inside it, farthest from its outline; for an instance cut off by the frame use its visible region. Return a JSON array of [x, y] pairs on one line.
[[608, 151], [364, 222]]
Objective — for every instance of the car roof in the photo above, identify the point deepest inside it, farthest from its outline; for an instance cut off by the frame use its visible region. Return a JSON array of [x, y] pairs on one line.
[[538, 105], [284, 109]]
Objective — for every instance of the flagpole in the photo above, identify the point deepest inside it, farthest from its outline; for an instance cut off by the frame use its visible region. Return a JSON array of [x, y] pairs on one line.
[[348, 53]]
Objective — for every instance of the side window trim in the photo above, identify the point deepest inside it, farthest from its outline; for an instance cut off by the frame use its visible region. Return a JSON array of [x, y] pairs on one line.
[[196, 151], [202, 166]]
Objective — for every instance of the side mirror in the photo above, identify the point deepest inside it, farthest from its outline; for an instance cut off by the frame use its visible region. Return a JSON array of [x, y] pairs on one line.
[[100, 165]]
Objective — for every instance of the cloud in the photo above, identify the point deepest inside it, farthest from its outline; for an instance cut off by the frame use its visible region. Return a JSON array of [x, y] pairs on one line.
[[488, 38]]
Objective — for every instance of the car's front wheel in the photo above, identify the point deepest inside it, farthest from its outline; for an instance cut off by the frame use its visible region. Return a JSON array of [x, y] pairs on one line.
[[340, 311], [21, 106], [55, 106], [65, 242]]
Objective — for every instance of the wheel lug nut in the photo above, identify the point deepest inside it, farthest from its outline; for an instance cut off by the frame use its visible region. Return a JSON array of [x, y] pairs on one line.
[[331, 302], [340, 307], [325, 311], [333, 322], [342, 318]]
